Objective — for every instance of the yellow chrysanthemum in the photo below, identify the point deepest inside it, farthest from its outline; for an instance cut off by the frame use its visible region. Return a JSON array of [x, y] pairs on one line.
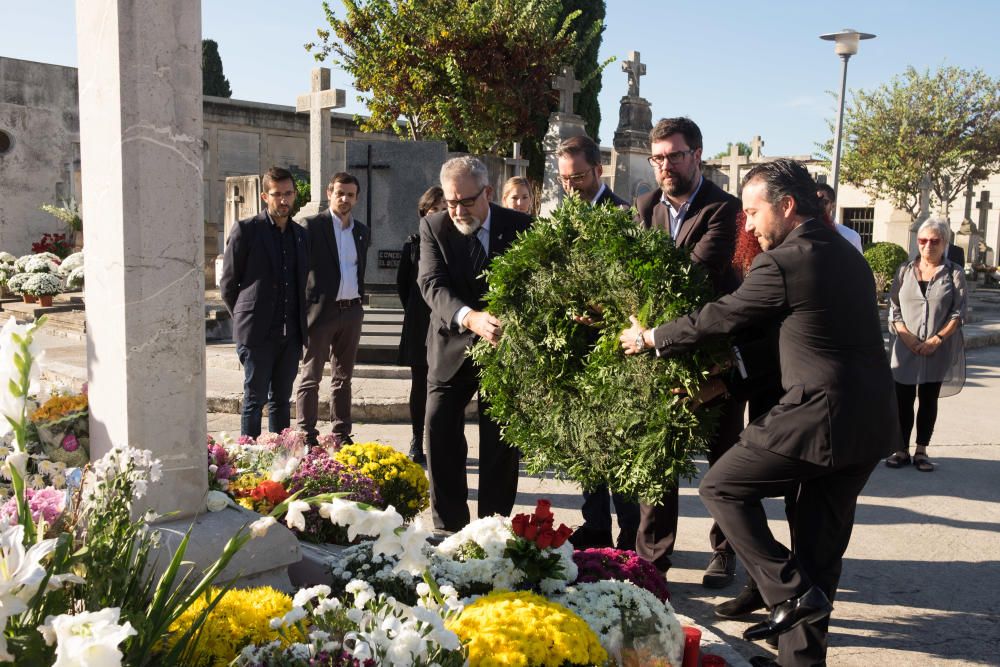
[[401, 482], [242, 617], [525, 630], [59, 406]]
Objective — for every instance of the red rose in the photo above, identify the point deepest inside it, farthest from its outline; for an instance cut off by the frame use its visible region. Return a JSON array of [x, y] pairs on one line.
[[545, 537], [519, 523], [543, 509], [530, 531], [561, 536]]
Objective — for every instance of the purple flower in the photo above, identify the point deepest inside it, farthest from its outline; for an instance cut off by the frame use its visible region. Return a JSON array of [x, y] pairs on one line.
[[47, 503], [319, 473], [602, 564]]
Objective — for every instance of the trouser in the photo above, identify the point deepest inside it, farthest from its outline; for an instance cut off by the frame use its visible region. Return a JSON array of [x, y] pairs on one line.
[[268, 375], [418, 400], [334, 339], [596, 510], [927, 393], [822, 523]]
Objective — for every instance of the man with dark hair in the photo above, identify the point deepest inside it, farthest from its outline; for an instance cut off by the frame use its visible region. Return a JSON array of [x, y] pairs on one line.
[[828, 198], [336, 285], [835, 421], [700, 216], [456, 245], [263, 286], [580, 171]]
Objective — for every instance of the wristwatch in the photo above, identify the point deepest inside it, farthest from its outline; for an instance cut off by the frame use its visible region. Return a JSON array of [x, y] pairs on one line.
[[640, 342]]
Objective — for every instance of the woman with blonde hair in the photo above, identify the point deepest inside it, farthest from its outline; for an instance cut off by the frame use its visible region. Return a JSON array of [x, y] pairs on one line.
[[517, 194]]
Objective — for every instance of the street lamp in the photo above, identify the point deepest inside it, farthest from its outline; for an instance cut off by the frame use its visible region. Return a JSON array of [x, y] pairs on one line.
[[845, 46]]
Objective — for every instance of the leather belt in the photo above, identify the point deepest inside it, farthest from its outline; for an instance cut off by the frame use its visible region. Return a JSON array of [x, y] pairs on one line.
[[344, 304]]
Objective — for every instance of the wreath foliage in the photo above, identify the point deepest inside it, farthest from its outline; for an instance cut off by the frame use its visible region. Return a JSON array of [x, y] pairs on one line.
[[564, 392]]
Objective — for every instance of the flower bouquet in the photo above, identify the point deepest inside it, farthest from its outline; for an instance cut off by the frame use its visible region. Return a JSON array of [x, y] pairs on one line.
[[530, 550], [44, 286], [63, 428], [402, 483], [74, 280], [15, 283], [41, 263], [603, 564]]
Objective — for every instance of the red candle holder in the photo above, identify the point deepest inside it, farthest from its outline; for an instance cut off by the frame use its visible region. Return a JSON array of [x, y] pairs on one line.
[[692, 646]]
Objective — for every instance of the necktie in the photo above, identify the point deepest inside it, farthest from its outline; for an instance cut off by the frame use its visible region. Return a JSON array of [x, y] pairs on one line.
[[477, 254]]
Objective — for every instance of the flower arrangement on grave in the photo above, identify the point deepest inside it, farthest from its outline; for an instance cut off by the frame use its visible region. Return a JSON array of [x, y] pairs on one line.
[[241, 617], [71, 263], [47, 506], [627, 618], [257, 492], [531, 548], [42, 284], [15, 283], [62, 428], [7, 259], [74, 280], [401, 482], [7, 271], [523, 628], [43, 263], [563, 391], [615, 564], [220, 469], [56, 244]]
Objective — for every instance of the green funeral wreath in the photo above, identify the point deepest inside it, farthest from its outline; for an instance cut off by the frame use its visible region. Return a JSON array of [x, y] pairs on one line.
[[564, 392]]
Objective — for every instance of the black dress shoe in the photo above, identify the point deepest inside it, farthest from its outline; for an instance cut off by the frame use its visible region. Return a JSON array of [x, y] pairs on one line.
[[589, 538], [721, 570], [744, 604], [809, 607], [417, 452], [763, 661]]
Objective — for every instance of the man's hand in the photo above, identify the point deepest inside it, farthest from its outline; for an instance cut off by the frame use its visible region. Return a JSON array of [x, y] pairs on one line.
[[635, 339], [484, 325], [707, 391], [593, 317]]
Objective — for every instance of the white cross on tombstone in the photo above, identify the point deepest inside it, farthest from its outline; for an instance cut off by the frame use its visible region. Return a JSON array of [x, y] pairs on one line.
[[516, 166], [318, 103], [634, 69], [734, 161], [755, 147], [568, 86]]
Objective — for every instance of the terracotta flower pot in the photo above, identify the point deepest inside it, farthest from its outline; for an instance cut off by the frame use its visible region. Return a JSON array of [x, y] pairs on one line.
[[30, 298], [45, 300]]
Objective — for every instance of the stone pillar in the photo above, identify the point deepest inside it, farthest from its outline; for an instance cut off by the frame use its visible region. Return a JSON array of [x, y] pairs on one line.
[[141, 145], [563, 124]]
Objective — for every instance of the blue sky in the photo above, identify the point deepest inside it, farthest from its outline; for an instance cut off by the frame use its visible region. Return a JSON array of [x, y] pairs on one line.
[[737, 68]]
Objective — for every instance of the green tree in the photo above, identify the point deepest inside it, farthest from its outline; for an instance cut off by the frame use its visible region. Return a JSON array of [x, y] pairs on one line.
[[213, 81], [744, 149], [475, 73], [944, 124]]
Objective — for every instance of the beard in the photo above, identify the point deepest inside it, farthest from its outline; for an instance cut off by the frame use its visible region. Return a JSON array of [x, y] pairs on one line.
[[679, 184], [276, 210], [468, 225]]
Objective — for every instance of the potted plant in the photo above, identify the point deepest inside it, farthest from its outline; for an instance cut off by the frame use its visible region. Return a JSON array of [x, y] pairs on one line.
[[42, 285], [6, 272], [16, 285]]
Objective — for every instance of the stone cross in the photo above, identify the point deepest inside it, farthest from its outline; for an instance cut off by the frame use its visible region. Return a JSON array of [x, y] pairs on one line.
[[568, 86], [634, 69], [734, 161], [984, 207], [925, 197], [968, 201], [516, 166], [318, 103], [755, 147]]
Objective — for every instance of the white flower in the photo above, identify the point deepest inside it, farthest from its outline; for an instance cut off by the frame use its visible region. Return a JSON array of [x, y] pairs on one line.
[[216, 501], [295, 517], [283, 467], [259, 527], [17, 461], [88, 639], [304, 595], [20, 570]]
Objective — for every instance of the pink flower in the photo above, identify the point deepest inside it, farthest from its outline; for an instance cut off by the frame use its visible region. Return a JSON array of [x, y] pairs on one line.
[[70, 443]]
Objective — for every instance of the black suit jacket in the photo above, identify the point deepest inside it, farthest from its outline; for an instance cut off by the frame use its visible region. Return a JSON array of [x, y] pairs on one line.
[[324, 264], [609, 196], [249, 282], [956, 254], [448, 283], [839, 405], [709, 229], [416, 314]]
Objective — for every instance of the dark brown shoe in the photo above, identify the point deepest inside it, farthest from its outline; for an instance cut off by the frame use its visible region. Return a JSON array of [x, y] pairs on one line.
[[721, 570], [747, 602]]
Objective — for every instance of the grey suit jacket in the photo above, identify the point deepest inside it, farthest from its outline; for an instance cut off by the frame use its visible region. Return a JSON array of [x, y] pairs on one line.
[[839, 405]]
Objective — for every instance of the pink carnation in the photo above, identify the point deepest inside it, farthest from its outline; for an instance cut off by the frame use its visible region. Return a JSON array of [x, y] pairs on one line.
[[47, 503]]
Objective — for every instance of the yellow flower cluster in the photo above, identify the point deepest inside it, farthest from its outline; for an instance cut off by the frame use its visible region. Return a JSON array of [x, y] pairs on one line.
[[525, 630], [402, 482], [59, 406], [242, 617]]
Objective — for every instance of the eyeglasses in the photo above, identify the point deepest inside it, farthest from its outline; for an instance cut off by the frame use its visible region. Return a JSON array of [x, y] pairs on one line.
[[288, 194], [578, 177], [673, 158], [464, 203], [926, 241]]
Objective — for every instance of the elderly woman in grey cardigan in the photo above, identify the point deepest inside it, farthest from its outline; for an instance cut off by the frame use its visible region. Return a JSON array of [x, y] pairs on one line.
[[926, 309]]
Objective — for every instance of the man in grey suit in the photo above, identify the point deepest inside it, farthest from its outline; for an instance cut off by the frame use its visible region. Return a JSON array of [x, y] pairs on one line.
[[336, 285], [835, 421]]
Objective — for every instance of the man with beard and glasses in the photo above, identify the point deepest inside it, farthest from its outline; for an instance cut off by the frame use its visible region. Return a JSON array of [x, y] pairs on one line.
[[263, 285], [580, 170], [700, 216], [339, 251], [456, 246]]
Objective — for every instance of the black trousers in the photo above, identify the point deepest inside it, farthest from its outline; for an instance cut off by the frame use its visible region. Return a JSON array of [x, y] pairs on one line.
[[268, 375], [821, 528], [447, 453], [418, 400], [658, 523], [927, 410]]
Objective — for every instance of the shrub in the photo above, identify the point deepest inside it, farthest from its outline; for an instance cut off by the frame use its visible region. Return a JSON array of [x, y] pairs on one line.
[[884, 258]]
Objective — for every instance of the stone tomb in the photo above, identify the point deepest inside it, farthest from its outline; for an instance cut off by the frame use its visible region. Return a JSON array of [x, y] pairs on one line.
[[393, 175]]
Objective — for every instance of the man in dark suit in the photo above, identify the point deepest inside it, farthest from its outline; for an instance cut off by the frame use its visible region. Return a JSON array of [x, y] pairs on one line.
[[834, 423], [956, 254], [263, 286], [456, 245], [580, 170], [336, 285], [700, 216]]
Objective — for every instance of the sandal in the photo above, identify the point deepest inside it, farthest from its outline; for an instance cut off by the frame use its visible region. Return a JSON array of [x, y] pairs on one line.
[[898, 460], [922, 463]]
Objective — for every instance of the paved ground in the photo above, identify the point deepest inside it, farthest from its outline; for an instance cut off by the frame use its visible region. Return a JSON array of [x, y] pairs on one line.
[[922, 575]]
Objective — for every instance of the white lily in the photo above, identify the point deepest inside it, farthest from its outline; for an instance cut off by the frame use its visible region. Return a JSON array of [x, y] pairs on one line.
[[87, 639], [295, 518]]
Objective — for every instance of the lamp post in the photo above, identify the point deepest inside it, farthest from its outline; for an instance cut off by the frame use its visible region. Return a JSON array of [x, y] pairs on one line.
[[845, 45]]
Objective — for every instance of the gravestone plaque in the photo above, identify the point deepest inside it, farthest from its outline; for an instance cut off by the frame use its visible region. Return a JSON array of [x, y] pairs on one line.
[[394, 174], [242, 201], [239, 153]]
